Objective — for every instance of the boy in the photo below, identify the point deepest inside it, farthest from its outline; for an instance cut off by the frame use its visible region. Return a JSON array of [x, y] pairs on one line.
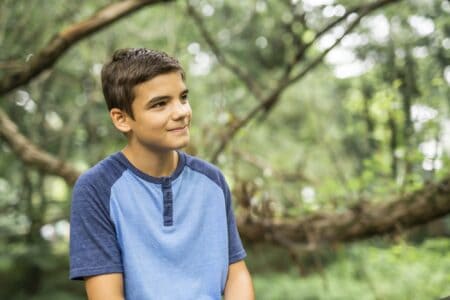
[[151, 222]]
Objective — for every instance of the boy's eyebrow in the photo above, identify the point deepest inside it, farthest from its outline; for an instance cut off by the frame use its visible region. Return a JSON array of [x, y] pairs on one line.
[[164, 97], [158, 98]]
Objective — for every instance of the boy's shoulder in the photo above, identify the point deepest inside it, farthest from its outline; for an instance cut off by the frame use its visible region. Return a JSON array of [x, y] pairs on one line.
[[103, 173], [206, 168]]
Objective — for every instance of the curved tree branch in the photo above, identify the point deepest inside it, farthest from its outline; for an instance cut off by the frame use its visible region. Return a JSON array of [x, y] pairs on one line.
[[33, 155], [360, 222], [62, 41]]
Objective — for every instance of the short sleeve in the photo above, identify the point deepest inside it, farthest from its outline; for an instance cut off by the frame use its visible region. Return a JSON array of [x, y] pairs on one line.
[[236, 251], [94, 249]]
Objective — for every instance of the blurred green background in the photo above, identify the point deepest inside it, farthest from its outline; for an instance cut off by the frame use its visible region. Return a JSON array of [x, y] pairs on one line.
[[312, 109]]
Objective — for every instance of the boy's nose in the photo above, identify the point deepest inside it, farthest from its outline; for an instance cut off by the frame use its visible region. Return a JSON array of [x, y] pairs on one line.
[[181, 110]]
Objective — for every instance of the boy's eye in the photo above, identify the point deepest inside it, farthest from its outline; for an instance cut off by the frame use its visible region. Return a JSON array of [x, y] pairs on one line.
[[184, 97], [159, 104]]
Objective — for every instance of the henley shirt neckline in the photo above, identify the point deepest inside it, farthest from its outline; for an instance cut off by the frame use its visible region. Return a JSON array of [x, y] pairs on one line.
[[158, 180]]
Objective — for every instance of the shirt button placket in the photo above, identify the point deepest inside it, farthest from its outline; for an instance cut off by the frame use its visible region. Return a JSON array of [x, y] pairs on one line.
[[167, 201]]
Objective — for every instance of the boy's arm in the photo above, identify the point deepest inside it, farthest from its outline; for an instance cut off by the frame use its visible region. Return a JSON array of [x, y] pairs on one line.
[[239, 284], [105, 287]]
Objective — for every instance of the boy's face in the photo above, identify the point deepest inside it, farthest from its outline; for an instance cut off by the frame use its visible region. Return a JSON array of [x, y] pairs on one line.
[[162, 113]]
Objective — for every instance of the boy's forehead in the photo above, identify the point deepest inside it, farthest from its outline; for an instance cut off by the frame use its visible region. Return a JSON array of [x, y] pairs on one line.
[[166, 82]]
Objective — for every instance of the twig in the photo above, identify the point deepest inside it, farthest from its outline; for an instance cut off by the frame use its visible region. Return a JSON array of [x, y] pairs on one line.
[[251, 85]]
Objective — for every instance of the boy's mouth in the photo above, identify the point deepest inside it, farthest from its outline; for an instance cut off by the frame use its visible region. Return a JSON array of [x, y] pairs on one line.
[[179, 128]]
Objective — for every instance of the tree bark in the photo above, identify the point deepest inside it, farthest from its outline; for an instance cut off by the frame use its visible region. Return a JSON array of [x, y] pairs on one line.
[[360, 222]]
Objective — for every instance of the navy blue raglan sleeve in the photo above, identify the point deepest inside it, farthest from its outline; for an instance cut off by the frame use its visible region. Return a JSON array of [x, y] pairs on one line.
[[236, 251], [94, 249]]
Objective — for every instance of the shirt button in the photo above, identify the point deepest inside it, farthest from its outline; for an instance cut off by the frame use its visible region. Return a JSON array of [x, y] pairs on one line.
[[166, 181]]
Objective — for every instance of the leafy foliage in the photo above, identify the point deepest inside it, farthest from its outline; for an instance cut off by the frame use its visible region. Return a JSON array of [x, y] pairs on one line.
[[362, 271]]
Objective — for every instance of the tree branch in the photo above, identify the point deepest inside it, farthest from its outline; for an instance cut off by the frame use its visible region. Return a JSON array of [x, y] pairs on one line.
[[286, 80], [362, 221], [32, 155], [65, 39], [251, 85], [263, 166]]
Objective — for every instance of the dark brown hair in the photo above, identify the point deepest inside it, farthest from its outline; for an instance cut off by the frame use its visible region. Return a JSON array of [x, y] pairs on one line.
[[130, 67]]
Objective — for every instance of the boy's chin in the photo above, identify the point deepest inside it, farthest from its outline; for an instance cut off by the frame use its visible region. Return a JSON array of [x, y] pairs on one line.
[[180, 145]]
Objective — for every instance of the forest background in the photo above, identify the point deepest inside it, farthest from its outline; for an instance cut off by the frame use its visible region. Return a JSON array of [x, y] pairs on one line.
[[330, 120]]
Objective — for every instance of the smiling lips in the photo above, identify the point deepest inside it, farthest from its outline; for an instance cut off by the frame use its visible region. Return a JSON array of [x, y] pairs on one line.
[[179, 129]]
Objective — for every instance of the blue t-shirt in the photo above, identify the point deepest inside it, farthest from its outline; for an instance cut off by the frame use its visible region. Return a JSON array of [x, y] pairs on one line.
[[171, 237]]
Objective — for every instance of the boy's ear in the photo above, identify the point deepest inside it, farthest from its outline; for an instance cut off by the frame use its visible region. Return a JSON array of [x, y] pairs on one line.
[[120, 120]]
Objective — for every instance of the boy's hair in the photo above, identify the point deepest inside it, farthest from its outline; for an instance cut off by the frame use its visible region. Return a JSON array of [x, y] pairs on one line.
[[130, 67]]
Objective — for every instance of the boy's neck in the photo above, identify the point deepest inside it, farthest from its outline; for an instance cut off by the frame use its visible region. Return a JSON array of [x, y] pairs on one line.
[[155, 164]]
